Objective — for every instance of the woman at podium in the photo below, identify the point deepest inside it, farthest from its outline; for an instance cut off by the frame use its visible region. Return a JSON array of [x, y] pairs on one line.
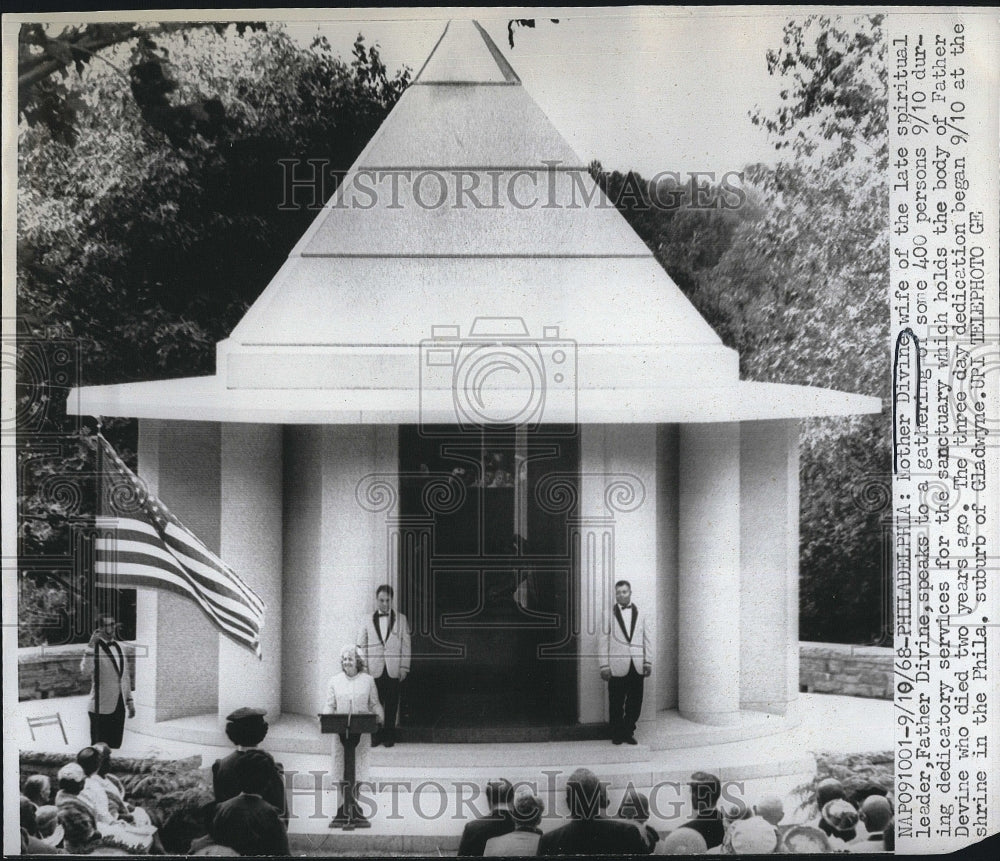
[[352, 691]]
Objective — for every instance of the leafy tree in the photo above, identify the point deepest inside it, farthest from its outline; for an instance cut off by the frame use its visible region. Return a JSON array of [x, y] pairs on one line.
[[149, 215]]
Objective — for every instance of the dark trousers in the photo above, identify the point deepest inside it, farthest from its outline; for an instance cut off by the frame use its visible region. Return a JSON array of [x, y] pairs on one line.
[[388, 694], [108, 728], [625, 702]]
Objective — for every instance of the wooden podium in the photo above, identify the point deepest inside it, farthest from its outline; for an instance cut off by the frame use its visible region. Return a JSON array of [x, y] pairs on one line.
[[350, 728]]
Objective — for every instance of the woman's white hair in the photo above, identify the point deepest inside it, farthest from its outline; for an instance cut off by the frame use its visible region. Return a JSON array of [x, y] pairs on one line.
[[359, 657]]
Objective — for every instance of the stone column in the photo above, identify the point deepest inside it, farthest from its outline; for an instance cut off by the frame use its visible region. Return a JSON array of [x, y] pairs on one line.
[[251, 544], [179, 673], [667, 465], [709, 573], [341, 486], [769, 551]]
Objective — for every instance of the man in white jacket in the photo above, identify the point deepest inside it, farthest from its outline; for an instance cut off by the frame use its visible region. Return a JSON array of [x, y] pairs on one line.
[[626, 659], [384, 639], [105, 663]]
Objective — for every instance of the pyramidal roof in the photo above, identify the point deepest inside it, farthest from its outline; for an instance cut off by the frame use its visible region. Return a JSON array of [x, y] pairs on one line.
[[468, 220]]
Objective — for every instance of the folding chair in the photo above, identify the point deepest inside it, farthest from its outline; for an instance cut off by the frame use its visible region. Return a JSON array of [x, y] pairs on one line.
[[47, 720]]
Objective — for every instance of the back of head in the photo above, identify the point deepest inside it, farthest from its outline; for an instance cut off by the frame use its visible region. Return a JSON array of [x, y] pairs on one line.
[[527, 809], [104, 749], [586, 796], [683, 841], [246, 727], [705, 791], [28, 815], [253, 770], [78, 824], [499, 792], [189, 819], [89, 759], [634, 805], [47, 820], [71, 778], [827, 790], [770, 808], [753, 836], [38, 788], [875, 813]]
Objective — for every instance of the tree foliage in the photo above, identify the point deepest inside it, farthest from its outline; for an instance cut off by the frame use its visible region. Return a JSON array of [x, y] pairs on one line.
[[795, 281], [149, 218]]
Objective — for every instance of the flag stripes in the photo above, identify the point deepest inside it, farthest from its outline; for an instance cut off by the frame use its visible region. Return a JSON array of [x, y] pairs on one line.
[[147, 547]]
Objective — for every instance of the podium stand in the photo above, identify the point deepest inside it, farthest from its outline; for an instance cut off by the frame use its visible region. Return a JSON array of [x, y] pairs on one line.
[[350, 728]]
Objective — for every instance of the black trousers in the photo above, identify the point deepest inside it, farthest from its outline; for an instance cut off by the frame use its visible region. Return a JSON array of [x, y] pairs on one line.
[[108, 728], [388, 694], [624, 702]]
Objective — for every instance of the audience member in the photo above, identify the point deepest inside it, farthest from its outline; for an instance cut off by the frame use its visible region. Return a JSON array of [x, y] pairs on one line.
[[771, 809], [876, 814], [523, 840], [589, 832], [499, 821], [49, 829], [683, 841], [804, 840], [115, 791], [247, 823], [188, 821], [38, 789], [838, 820], [246, 728], [706, 790], [635, 807], [828, 790], [753, 836], [31, 844]]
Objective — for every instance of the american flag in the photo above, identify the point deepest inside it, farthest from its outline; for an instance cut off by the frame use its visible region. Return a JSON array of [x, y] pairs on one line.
[[147, 547]]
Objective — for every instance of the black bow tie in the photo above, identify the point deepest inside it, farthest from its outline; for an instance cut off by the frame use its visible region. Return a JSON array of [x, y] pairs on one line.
[[383, 615], [629, 607]]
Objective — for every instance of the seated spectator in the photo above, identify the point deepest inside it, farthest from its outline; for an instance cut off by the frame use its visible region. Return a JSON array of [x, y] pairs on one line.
[[115, 791], [49, 829], [771, 809], [523, 840], [589, 832], [499, 821], [247, 823], [70, 782], [828, 790], [38, 789], [733, 811], [753, 836], [838, 820], [706, 790], [125, 830], [31, 844], [683, 841], [246, 728], [875, 813], [804, 840], [635, 807], [188, 821]]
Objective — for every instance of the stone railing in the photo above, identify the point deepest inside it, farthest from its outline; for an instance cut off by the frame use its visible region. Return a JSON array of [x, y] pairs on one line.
[[856, 671], [44, 672]]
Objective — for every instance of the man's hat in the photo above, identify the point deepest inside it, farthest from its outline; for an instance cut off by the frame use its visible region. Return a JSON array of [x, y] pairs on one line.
[[71, 771], [840, 814], [246, 713]]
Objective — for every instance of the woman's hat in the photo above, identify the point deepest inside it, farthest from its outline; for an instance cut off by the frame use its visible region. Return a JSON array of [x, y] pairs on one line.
[[840, 815]]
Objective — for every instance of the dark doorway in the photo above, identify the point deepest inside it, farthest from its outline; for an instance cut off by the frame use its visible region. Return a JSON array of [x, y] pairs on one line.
[[487, 579]]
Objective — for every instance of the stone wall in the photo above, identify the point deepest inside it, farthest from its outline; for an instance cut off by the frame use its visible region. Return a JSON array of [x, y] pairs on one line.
[[856, 671], [44, 672]]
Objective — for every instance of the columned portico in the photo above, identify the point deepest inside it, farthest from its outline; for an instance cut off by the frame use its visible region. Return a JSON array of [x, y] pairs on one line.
[[301, 460]]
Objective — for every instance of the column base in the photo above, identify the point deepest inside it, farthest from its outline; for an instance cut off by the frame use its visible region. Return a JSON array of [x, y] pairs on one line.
[[711, 718]]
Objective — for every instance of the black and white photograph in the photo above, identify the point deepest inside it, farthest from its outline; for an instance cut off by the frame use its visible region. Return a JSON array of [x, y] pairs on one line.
[[511, 431]]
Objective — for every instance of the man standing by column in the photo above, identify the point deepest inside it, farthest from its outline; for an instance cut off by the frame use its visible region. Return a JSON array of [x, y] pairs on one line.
[[385, 639], [626, 659], [111, 685]]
